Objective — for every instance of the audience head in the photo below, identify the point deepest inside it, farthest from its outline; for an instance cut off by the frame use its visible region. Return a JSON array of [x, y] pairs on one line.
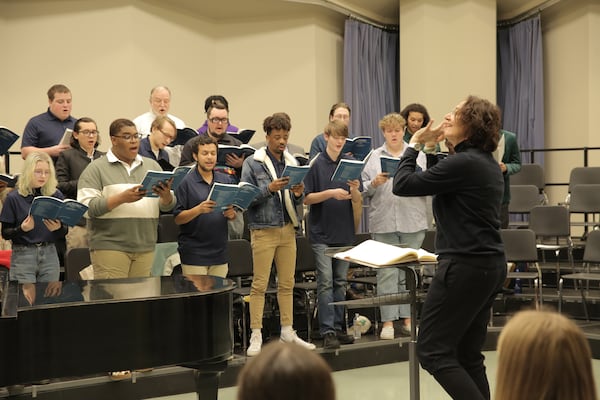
[[416, 117], [392, 126], [59, 101], [160, 100], [215, 97], [162, 131], [217, 117], [475, 121], [204, 151], [340, 112], [285, 371], [85, 133], [38, 173], [277, 127], [125, 139], [543, 355]]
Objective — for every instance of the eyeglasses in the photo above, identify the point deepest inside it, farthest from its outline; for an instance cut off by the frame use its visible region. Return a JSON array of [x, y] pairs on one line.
[[39, 172], [88, 133], [129, 137], [219, 120], [170, 137]]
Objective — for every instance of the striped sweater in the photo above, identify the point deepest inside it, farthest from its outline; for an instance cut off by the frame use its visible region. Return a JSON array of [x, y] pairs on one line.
[[129, 227]]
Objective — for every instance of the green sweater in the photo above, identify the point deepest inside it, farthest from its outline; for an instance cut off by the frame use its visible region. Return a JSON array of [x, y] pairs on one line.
[[129, 227]]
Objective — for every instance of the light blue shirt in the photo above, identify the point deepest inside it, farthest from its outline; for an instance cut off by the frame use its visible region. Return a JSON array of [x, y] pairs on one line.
[[387, 212]]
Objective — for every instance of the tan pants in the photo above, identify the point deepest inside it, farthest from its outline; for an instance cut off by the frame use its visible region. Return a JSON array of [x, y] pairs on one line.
[[112, 264], [270, 244], [214, 270]]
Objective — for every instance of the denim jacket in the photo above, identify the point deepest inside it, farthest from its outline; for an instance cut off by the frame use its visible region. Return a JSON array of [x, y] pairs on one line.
[[265, 211]]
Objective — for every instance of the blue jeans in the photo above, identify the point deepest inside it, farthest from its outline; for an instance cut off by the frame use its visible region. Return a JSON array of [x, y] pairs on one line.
[[331, 286], [393, 280], [30, 264]]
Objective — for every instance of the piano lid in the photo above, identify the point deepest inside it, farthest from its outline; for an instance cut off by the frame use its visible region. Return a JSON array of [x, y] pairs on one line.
[[59, 294]]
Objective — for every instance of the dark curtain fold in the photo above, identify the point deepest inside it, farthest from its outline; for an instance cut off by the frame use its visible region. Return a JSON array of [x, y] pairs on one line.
[[371, 77], [371, 81], [520, 83]]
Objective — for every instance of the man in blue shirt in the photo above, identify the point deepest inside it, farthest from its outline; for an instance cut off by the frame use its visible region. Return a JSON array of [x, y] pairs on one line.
[[335, 209], [45, 131], [203, 237]]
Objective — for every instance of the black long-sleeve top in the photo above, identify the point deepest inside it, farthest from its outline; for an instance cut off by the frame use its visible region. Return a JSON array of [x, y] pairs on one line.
[[467, 190]]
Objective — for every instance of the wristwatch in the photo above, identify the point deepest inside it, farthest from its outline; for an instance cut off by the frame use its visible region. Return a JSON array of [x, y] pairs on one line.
[[416, 146]]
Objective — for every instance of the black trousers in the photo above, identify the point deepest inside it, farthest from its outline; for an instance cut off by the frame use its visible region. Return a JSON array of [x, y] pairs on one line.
[[454, 322]]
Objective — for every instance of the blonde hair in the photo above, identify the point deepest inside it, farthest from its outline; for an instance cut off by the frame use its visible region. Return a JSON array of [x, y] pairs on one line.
[[543, 355], [26, 178], [392, 120]]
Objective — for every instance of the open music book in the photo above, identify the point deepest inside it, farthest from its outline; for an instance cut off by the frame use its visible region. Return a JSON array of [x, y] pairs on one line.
[[378, 254]]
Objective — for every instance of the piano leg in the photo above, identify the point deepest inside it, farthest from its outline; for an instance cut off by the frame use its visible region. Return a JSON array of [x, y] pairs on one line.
[[207, 380]]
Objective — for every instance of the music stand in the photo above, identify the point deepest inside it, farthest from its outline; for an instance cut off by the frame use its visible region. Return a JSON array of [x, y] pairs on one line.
[[410, 297]]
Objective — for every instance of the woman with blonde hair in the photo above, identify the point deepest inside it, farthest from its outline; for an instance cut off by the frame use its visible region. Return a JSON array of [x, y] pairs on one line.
[[34, 257], [543, 355]]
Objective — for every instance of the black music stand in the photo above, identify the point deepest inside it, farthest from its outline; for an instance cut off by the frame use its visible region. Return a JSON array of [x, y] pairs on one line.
[[410, 297]]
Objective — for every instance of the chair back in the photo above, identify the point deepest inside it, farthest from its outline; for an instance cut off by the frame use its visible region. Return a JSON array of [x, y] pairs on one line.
[[76, 260], [240, 258], [361, 237], [584, 176], [523, 198], [585, 198], [168, 230], [550, 221], [591, 253], [429, 241], [519, 245], [530, 174], [305, 258]]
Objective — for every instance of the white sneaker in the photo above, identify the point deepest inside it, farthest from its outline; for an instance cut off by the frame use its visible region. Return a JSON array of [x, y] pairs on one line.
[[293, 338], [387, 333], [255, 345]]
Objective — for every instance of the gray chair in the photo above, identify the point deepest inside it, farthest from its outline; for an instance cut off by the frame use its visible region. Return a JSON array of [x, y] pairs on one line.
[[591, 256], [585, 200], [520, 247], [583, 176], [552, 228], [241, 269], [531, 174], [306, 284], [168, 230], [522, 199], [75, 260]]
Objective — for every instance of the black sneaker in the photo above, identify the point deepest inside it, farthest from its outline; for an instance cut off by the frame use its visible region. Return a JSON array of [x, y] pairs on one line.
[[330, 341], [343, 338]]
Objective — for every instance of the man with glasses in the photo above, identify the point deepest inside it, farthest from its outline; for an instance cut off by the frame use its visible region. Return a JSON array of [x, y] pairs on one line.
[[163, 132], [122, 219], [217, 117], [160, 103], [45, 131]]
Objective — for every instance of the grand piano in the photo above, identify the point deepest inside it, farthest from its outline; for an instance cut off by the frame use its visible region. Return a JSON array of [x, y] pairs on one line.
[[69, 329]]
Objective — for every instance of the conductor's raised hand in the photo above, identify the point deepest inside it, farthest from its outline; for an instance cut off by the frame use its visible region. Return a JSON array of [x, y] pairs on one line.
[[428, 135]]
